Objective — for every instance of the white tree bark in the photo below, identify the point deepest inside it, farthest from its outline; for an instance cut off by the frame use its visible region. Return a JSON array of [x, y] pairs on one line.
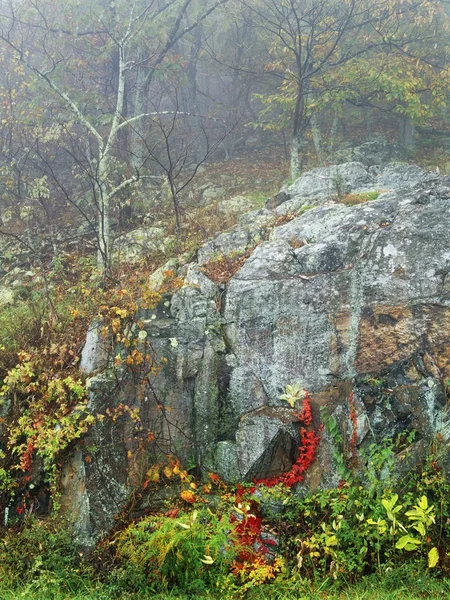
[[317, 138], [295, 160]]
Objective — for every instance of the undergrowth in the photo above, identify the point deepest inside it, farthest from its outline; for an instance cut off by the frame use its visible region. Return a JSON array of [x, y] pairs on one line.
[[368, 538], [265, 539], [361, 198], [221, 269], [43, 397]]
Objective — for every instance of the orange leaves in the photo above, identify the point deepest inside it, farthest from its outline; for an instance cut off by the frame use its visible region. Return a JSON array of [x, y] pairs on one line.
[[221, 270], [123, 409], [75, 313], [168, 472], [188, 496], [171, 282], [136, 358], [152, 476]]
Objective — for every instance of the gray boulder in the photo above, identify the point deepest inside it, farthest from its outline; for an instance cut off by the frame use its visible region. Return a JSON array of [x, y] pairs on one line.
[[327, 183], [237, 204], [139, 243], [398, 176], [340, 299], [6, 295], [251, 229], [331, 184], [376, 151]]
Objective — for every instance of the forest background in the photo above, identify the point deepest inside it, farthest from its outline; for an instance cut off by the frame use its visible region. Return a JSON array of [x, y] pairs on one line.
[[117, 114]]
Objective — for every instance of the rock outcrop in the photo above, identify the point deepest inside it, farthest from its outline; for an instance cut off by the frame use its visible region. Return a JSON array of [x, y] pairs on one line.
[[338, 299]]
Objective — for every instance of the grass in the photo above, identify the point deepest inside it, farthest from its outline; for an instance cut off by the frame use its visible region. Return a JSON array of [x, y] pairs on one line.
[[354, 199], [357, 592], [399, 584]]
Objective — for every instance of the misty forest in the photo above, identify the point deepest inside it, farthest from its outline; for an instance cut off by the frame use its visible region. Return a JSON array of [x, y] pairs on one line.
[[224, 299]]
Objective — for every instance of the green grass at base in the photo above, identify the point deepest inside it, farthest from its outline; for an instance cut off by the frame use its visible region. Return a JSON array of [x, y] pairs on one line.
[[395, 585]]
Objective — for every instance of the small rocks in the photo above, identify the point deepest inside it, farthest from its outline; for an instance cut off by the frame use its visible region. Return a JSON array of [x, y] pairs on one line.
[[136, 244], [6, 295]]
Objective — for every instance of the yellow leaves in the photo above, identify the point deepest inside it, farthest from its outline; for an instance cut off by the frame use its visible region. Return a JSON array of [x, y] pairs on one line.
[[433, 558], [120, 312], [380, 524], [153, 474], [136, 358], [292, 393], [207, 560], [116, 325]]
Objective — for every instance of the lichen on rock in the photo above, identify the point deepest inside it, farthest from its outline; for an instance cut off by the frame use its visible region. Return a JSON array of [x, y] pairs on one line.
[[365, 294]]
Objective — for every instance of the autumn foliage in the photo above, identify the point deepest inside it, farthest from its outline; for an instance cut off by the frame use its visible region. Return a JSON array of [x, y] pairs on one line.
[[309, 439]]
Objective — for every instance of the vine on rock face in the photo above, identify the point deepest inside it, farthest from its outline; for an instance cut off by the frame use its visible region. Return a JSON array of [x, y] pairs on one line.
[[354, 424], [255, 551], [309, 440], [42, 390]]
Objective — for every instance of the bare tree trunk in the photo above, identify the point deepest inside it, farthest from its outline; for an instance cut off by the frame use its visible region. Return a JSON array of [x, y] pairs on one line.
[[317, 138], [367, 116], [137, 133], [104, 233], [406, 133], [333, 133], [295, 160], [298, 124]]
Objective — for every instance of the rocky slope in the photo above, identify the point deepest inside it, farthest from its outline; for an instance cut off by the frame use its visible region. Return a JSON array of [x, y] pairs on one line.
[[338, 299]]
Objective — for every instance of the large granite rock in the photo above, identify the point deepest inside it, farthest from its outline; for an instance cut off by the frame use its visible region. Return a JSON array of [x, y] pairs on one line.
[[325, 183], [251, 229], [376, 151], [6, 295], [330, 184], [339, 299]]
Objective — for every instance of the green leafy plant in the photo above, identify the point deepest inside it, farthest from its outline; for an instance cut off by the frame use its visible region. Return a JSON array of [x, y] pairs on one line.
[[338, 186], [340, 459], [421, 516], [40, 550], [191, 549]]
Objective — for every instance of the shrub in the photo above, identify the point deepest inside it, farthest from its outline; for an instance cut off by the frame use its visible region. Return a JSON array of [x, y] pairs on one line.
[[40, 550], [192, 551], [362, 198]]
